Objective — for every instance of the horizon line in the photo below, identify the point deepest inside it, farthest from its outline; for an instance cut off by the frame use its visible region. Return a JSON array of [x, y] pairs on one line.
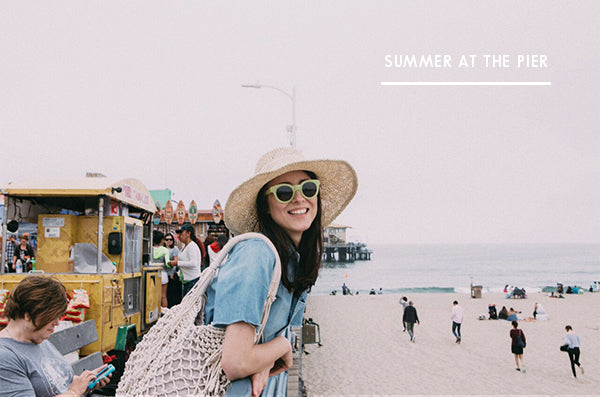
[[465, 83]]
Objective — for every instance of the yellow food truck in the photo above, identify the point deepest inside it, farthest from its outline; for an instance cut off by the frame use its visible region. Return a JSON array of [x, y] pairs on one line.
[[93, 233]]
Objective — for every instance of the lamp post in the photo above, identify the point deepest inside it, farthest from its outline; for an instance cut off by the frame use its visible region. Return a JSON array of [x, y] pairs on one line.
[[291, 129]]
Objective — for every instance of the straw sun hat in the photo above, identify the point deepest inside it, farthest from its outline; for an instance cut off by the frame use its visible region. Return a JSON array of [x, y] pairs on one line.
[[338, 186]]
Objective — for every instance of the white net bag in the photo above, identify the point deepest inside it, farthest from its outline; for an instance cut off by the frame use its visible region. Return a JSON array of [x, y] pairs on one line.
[[179, 358]]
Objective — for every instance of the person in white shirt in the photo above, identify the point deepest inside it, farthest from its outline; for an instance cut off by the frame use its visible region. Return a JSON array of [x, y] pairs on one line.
[[573, 343], [457, 319], [404, 302], [539, 313], [189, 259]]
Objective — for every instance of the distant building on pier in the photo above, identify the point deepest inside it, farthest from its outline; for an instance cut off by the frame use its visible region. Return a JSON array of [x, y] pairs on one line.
[[338, 249]]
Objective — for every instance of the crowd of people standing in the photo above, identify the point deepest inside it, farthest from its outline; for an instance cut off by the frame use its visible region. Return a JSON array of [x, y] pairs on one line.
[[18, 254], [182, 265]]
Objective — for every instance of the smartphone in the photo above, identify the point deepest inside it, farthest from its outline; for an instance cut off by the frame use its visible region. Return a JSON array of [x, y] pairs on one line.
[[109, 369]]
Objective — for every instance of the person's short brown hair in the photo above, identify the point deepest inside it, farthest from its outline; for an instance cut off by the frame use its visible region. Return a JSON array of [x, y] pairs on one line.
[[43, 299]]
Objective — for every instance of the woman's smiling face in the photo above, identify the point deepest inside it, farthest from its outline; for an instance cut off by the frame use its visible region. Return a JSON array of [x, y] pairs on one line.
[[296, 216]]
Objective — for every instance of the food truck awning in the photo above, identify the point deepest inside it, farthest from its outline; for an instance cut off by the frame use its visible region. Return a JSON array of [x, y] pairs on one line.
[[132, 191]]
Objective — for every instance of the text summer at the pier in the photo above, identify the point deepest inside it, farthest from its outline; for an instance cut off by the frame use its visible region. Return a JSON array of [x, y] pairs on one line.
[[422, 61]]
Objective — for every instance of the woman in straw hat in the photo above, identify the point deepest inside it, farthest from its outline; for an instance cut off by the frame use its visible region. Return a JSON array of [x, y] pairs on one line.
[[288, 199]]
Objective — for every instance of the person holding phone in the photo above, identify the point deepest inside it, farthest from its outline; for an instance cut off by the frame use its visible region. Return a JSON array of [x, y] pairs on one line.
[[30, 366]]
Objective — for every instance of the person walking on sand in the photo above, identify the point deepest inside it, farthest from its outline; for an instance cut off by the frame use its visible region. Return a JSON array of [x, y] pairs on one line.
[[404, 303], [410, 317], [518, 342], [573, 343], [457, 319]]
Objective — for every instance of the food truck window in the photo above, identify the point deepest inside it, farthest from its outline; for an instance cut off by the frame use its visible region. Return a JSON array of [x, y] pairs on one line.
[[133, 248]]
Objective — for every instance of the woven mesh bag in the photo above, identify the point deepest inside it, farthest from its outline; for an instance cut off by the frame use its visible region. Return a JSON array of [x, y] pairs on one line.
[[179, 358]]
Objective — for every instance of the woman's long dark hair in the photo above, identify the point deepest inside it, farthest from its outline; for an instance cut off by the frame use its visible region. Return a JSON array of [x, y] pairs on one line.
[[193, 237], [310, 248]]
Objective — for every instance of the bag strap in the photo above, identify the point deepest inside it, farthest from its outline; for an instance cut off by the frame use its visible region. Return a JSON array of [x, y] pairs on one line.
[[207, 276]]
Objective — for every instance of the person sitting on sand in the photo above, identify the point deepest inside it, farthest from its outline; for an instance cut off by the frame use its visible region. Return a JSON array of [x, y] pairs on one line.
[[569, 290], [512, 315], [539, 312], [503, 313], [519, 293], [345, 290]]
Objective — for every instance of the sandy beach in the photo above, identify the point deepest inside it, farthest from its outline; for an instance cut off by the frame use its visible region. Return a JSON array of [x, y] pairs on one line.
[[365, 352]]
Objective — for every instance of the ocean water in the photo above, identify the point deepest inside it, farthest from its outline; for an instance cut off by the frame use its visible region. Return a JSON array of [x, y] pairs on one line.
[[413, 268]]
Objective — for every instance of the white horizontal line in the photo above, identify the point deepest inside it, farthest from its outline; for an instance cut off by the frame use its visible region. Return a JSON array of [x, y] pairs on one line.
[[466, 83]]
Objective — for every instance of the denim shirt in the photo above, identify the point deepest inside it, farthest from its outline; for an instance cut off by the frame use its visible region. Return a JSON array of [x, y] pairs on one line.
[[238, 293]]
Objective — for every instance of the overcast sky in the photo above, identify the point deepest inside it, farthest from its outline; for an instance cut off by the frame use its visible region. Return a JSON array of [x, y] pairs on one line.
[[151, 90]]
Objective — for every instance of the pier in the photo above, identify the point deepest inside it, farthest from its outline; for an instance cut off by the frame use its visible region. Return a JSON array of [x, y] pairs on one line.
[[336, 249], [346, 253]]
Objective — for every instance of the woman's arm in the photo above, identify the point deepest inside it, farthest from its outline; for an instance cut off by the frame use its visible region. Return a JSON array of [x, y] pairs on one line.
[[193, 257], [242, 358], [79, 386]]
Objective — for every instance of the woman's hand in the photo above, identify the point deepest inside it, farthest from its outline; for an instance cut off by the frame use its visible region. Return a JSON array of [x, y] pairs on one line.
[[79, 386], [259, 381], [80, 383], [103, 382], [282, 364]]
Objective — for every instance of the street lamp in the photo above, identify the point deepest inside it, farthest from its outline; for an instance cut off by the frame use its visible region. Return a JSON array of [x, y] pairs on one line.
[[291, 129]]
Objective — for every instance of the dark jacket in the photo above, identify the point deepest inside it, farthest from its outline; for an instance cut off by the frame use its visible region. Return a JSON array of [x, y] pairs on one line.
[[514, 335], [410, 315]]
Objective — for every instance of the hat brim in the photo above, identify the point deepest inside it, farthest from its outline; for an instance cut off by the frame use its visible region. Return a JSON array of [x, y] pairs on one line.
[[339, 184]]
